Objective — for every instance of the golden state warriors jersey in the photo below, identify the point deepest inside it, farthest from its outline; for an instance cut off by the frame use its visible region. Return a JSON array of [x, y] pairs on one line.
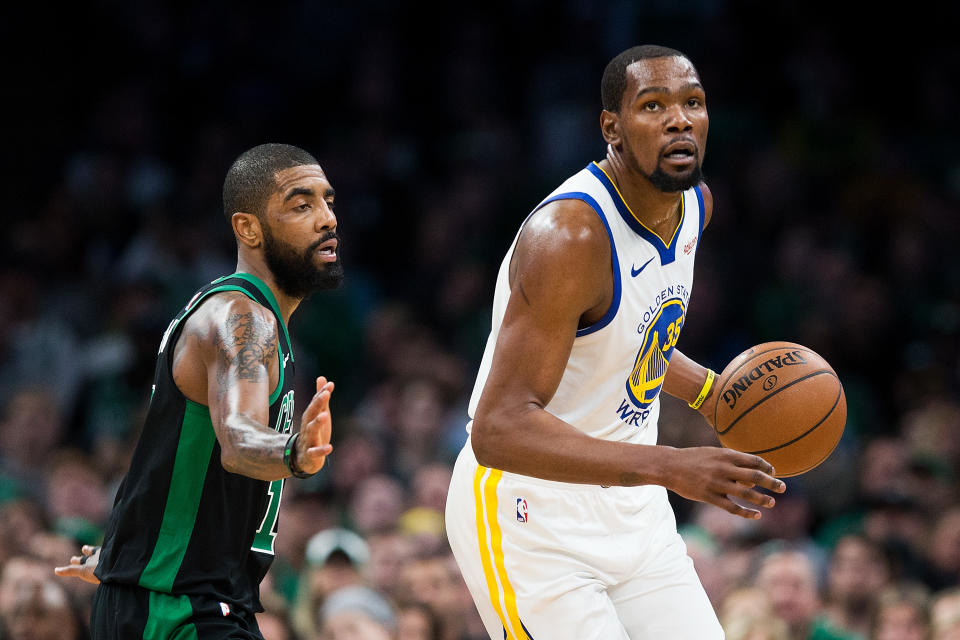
[[610, 388]]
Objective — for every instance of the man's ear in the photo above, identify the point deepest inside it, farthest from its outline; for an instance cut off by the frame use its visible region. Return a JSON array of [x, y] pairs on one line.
[[246, 227], [610, 127]]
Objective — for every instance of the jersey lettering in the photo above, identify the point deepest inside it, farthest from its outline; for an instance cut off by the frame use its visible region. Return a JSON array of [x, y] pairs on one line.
[[267, 532]]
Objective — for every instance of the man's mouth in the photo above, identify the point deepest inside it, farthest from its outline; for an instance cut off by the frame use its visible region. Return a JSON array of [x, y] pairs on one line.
[[680, 150], [680, 155], [328, 250]]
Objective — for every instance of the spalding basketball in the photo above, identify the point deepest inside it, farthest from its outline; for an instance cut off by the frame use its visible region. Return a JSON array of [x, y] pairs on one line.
[[782, 402]]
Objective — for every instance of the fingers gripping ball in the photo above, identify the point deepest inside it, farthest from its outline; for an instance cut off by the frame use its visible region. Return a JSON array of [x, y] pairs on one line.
[[783, 402]]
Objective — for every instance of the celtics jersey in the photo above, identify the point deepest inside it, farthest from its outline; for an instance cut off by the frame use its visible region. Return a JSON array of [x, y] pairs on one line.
[[181, 524]]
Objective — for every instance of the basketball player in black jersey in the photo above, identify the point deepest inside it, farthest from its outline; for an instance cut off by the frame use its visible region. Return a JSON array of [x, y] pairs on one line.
[[192, 529]]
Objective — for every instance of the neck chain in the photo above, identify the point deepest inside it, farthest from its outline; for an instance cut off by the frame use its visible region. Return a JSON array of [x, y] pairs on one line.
[[670, 215]]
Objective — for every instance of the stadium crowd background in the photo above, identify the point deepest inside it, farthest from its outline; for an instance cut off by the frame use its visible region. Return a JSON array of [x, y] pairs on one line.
[[832, 157]]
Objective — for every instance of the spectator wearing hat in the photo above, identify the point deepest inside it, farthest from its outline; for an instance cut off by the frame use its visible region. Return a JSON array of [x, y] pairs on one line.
[[335, 559], [356, 612]]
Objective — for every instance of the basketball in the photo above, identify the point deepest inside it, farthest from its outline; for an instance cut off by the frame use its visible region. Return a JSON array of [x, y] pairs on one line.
[[782, 402]]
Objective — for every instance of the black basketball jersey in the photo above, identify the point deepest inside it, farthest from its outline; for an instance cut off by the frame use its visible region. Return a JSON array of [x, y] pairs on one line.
[[181, 523]]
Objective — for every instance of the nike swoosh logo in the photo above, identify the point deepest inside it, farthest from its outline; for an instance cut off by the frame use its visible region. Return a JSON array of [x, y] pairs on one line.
[[635, 272]]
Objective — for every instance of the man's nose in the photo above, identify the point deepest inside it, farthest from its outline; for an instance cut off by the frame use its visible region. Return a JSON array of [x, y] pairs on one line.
[[678, 121], [326, 220]]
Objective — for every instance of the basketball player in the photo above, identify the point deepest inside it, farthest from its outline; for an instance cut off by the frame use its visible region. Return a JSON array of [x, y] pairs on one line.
[[557, 511], [192, 529]]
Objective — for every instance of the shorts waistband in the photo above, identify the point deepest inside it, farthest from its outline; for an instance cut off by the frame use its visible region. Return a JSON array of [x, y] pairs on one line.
[[554, 485]]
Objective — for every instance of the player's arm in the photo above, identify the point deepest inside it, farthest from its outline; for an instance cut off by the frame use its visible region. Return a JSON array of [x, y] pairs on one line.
[[686, 379], [561, 272], [554, 281], [238, 351]]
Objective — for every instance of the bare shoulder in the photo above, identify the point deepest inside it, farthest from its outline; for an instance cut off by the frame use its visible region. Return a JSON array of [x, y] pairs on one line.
[[227, 329], [707, 203], [564, 253], [567, 232], [566, 224], [230, 313]]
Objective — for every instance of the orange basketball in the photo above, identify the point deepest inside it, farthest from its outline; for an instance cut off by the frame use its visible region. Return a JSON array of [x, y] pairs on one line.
[[783, 402]]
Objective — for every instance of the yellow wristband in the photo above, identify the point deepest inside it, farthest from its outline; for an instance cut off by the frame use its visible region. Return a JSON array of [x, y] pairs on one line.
[[707, 385]]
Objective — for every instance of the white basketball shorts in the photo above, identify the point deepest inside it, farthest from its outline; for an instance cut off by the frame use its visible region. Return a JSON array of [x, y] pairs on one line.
[[554, 561]]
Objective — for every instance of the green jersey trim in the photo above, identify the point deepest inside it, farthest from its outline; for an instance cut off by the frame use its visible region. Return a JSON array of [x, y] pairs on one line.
[[267, 293], [167, 617], [183, 498]]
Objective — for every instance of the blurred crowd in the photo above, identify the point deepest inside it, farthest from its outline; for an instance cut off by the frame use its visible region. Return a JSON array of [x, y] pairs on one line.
[[835, 226]]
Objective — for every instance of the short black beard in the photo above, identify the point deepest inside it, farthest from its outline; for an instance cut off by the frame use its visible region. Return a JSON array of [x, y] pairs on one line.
[[670, 184], [295, 274]]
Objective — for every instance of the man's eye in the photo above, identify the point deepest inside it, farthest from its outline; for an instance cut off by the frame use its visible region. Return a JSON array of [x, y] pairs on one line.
[[330, 205], [304, 207], [651, 106]]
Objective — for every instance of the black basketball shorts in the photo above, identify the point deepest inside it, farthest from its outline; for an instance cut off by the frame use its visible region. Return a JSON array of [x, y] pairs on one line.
[[124, 612]]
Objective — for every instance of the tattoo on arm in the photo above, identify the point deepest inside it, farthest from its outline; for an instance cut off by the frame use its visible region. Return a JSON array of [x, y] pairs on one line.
[[246, 344], [246, 348]]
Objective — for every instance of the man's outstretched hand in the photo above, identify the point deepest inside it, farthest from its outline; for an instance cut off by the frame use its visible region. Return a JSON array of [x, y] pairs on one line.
[[82, 566], [313, 443]]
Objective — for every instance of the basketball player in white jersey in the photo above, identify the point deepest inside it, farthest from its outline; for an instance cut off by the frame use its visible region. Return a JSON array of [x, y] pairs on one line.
[[557, 512]]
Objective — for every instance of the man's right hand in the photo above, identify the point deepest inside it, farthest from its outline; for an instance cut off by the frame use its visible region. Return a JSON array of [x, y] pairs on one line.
[[313, 443], [716, 475]]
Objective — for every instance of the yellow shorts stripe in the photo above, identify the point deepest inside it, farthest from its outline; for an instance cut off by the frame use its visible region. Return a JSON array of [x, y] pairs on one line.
[[485, 492], [484, 549]]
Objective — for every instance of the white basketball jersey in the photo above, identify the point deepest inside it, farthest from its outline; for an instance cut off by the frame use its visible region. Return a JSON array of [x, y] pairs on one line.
[[610, 387]]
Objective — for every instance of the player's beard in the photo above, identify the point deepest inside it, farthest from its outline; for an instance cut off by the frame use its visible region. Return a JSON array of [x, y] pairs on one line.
[[296, 274], [668, 183], [660, 179]]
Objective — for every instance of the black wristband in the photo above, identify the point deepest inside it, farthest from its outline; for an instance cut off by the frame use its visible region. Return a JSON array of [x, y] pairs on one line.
[[288, 457]]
